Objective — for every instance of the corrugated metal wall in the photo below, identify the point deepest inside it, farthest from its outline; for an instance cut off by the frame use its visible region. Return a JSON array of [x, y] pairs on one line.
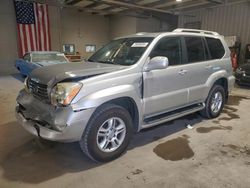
[[227, 20]]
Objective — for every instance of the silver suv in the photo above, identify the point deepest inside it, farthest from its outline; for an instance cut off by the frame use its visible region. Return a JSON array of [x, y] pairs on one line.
[[130, 84]]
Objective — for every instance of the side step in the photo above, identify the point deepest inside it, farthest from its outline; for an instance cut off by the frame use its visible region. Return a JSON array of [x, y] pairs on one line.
[[162, 118]]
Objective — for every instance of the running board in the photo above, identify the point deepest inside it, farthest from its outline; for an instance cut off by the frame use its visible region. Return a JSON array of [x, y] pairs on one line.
[[169, 116]]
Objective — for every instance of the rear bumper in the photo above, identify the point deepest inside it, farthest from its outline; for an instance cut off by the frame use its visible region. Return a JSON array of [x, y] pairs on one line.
[[32, 119], [231, 81]]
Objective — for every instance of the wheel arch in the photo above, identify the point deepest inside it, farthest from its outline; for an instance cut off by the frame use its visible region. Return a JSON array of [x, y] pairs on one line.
[[224, 83], [130, 105], [219, 78]]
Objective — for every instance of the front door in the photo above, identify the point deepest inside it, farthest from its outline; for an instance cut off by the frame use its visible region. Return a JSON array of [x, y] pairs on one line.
[[165, 89]]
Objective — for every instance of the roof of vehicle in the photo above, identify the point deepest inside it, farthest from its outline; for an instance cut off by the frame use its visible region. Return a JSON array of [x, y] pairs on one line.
[[181, 31]]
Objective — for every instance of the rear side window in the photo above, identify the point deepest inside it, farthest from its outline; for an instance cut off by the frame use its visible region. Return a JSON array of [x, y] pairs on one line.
[[195, 49], [216, 49]]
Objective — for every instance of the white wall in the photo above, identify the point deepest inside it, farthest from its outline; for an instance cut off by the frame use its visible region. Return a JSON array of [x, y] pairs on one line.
[[226, 20], [69, 26], [8, 37], [152, 25], [66, 26], [122, 25], [81, 29], [125, 25], [55, 27]]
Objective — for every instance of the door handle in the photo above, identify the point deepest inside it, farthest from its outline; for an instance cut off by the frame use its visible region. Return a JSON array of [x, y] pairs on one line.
[[182, 72], [209, 67]]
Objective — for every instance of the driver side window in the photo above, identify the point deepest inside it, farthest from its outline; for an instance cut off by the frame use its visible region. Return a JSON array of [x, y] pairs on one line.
[[169, 47], [26, 57]]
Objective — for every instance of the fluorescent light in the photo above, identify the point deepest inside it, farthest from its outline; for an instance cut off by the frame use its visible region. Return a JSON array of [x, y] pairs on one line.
[[178, 0]]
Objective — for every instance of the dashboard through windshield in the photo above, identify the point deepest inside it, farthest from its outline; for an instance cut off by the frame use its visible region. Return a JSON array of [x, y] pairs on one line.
[[125, 51]]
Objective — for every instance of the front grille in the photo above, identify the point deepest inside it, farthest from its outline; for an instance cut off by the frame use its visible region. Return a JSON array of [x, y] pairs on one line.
[[38, 90]]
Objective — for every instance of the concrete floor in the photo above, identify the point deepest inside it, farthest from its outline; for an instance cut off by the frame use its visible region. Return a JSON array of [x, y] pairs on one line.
[[215, 153]]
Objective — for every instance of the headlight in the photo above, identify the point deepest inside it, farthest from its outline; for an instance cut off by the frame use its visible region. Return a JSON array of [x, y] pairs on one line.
[[26, 84], [63, 93]]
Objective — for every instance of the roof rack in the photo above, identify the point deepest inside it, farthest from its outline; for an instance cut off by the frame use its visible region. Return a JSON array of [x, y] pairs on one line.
[[197, 31], [141, 33]]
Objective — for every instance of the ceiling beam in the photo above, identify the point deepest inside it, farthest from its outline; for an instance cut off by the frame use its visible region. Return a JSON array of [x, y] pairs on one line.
[[129, 5], [72, 2], [216, 6], [144, 2], [101, 6], [190, 5], [215, 1], [171, 3], [84, 3]]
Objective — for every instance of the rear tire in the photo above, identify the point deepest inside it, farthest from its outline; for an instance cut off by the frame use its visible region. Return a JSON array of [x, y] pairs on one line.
[[214, 103], [107, 134]]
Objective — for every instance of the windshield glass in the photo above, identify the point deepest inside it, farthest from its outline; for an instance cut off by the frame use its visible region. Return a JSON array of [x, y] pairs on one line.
[[126, 51], [49, 57]]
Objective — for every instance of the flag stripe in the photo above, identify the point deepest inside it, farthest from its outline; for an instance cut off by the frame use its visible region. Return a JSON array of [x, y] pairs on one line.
[[44, 28], [38, 28], [31, 38], [24, 38], [26, 27], [33, 32], [48, 27], [19, 40]]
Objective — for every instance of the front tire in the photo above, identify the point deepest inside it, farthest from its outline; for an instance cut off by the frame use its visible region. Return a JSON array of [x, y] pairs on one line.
[[214, 103], [107, 134]]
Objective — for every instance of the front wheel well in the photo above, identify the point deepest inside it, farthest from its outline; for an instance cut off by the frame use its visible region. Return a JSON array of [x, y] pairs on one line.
[[130, 105]]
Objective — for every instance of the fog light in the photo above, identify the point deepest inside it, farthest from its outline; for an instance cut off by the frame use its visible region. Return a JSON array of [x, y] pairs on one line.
[[60, 127]]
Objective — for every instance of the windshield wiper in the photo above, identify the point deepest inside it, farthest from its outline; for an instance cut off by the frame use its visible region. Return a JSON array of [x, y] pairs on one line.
[[107, 62]]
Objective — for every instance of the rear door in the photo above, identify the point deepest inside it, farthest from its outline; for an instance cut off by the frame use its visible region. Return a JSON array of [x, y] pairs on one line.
[[198, 69], [202, 56]]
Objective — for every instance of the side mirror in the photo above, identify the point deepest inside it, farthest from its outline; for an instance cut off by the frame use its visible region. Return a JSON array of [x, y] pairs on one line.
[[158, 62]]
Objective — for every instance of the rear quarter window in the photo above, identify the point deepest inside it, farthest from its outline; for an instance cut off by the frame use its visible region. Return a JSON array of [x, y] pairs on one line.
[[215, 47]]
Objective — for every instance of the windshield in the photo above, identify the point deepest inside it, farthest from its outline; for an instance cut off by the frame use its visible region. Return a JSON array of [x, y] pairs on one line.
[[126, 51], [49, 58]]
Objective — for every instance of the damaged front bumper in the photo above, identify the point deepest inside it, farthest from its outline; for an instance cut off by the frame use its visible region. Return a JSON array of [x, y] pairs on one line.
[[42, 120]]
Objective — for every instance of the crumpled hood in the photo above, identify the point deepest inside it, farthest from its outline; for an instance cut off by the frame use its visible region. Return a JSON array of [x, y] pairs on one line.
[[59, 72], [48, 63]]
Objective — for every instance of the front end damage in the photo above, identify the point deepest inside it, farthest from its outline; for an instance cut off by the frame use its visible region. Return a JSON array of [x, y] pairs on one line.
[[48, 122]]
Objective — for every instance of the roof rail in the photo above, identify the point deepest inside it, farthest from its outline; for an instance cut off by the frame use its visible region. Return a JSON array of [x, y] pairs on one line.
[[141, 33], [197, 31]]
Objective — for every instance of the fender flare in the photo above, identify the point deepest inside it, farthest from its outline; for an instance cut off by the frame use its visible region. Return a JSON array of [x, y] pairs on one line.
[[100, 97]]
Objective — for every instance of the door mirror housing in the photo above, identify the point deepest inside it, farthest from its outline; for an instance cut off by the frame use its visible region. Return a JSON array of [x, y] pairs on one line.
[[158, 62]]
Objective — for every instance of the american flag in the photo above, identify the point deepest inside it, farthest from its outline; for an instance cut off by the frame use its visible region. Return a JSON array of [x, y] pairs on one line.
[[33, 26]]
